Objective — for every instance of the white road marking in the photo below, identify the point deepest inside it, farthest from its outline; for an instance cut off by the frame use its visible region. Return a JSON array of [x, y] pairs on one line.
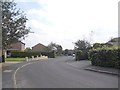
[[15, 83], [7, 71]]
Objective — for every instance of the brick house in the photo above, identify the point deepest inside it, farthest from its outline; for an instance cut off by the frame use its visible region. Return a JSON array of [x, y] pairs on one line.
[[17, 46], [39, 48]]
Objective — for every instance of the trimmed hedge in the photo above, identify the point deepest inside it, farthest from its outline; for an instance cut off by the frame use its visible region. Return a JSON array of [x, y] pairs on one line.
[[24, 54], [49, 54], [30, 54], [81, 55], [105, 57]]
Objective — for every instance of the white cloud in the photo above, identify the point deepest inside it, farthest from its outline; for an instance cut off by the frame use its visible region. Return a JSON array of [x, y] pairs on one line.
[[66, 21]]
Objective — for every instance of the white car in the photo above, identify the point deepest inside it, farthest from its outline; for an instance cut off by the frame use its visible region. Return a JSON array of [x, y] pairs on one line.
[[73, 56]]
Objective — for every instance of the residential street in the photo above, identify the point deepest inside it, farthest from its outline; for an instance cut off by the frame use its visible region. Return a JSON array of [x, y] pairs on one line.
[[56, 73]]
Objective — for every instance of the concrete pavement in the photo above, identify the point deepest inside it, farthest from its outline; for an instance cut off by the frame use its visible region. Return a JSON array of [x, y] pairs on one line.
[[105, 70], [86, 64]]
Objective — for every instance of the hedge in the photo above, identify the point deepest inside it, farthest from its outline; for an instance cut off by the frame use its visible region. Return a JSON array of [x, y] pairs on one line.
[[81, 55], [24, 54], [49, 54], [105, 57], [30, 54]]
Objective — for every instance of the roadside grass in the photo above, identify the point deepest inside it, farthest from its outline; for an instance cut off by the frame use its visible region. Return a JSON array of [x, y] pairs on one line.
[[15, 59]]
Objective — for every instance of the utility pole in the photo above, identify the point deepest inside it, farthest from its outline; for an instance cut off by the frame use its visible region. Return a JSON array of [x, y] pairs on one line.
[[0, 31]]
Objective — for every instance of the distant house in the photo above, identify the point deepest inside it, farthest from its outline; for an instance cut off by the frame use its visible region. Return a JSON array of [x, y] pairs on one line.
[[39, 48], [17, 46], [71, 52], [114, 41]]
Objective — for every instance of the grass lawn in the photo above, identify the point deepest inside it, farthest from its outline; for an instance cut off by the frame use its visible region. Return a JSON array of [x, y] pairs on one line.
[[15, 59]]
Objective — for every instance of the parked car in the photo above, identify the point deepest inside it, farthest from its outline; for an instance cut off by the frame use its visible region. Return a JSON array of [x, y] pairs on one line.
[[73, 56]]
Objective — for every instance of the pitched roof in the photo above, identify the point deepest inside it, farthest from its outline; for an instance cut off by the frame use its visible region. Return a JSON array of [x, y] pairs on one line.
[[39, 44], [115, 39]]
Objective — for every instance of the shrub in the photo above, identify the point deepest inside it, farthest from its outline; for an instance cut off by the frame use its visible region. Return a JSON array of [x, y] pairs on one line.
[[24, 54], [49, 54], [81, 55], [105, 57], [30, 54]]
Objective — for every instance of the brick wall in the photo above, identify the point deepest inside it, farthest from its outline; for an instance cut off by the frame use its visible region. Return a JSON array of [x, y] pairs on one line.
[[18, 46], [39, 48]]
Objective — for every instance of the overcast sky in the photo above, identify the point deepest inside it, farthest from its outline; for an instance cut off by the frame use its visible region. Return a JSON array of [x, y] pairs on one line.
[[66, 21]]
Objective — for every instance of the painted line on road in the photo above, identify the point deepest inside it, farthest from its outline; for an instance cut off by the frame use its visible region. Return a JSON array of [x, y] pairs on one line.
[[7, 71], [14, 76]]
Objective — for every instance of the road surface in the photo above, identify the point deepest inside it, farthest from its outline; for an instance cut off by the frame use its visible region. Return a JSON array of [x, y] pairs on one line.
[[56, 73]]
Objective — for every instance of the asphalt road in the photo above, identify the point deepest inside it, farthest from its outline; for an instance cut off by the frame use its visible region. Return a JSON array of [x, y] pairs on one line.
[[56, 73]]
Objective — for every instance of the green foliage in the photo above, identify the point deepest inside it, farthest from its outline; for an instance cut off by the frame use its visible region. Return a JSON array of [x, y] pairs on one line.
[[13, 24], [15, 59], [97, 45], [59, 50], [102, 45], [49, 54], [28, 49], [30, 54], [55, 47], [82, 45], [52, 46], [65, 52], [81, 55], [106, 57], [24, 54]]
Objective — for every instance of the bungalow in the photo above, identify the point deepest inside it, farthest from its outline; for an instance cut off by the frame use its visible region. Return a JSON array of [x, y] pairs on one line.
[[39, 48]]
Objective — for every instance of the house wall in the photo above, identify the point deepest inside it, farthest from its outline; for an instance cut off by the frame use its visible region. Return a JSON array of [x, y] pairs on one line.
[[18, 46], [39, 48], [70, 52]]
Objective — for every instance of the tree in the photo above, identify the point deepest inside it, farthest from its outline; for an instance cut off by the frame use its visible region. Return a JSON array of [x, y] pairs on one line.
[[97, 45], [66, 51], [81, 49], [28, 49], [13, 24], [82, 45], [59, 49], [52, 47], [55, 47]]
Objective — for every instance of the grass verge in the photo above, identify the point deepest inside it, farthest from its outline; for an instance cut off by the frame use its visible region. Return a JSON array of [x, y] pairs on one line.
[[15, 59]]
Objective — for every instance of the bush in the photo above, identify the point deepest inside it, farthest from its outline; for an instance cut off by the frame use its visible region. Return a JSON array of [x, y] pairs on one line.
[[24, 54], [105, 57], [30, 54], [49, 54], [81, 55]]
